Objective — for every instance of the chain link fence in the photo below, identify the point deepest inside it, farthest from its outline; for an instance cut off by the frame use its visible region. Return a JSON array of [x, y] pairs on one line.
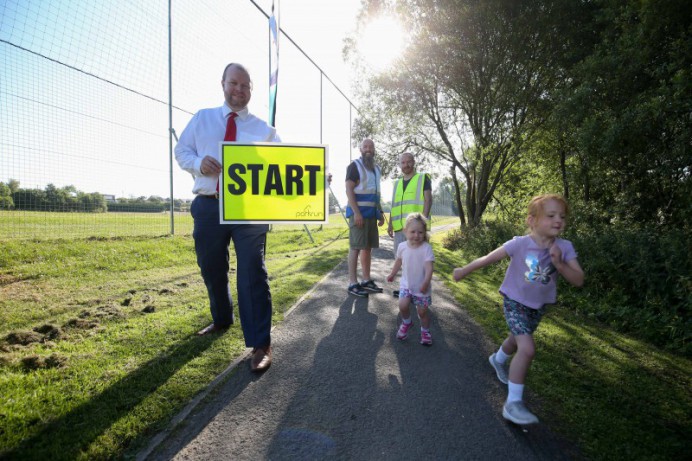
[[85, 148]]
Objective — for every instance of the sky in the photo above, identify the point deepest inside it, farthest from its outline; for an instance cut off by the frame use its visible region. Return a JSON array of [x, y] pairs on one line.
[[83, 85]]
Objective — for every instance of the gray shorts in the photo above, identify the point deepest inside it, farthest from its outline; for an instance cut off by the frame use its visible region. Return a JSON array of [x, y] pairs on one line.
[[399, 237], [363, 238]]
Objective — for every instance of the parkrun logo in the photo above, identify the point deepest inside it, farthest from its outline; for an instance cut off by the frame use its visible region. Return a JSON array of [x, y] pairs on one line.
[[308, 213]]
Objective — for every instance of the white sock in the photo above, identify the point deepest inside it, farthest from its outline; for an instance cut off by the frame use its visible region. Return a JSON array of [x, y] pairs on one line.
[[500, 356], [406, 321], [516, 392], [424, 330]]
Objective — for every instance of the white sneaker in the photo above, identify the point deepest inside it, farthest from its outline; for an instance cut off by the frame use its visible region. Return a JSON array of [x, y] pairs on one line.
[[502, 369], [518, 413]]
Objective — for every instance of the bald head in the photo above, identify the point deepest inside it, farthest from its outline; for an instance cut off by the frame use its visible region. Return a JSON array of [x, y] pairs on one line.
[[407, 164], [235, 65]]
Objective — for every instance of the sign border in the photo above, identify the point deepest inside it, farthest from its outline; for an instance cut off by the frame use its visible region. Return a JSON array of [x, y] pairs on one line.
[[222, 184]]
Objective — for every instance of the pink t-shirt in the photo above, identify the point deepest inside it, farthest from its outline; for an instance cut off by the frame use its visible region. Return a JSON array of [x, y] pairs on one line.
[[531, 278], [413, 266]]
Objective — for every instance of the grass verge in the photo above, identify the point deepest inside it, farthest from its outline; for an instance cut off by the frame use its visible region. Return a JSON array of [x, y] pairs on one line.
[[98, 350], [97, 343], [617, 398]]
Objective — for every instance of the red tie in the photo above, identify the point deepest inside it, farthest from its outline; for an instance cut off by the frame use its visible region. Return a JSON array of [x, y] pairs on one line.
[[230, 127], [230, 134]]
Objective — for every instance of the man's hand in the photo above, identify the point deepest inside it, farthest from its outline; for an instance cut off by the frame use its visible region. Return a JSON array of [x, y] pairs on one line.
[[390, 229], [380, 222], [357, 218], [210, 166]]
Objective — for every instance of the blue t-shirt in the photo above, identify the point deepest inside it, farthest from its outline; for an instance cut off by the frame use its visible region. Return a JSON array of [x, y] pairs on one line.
[[531, 278]]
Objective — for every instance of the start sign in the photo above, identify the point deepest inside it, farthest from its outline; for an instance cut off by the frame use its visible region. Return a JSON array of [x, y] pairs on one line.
[[269, 183]]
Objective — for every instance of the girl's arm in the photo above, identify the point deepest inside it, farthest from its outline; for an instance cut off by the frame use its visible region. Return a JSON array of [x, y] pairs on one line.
[[425, 286], [492, 257], [570, 270], [395, 270]]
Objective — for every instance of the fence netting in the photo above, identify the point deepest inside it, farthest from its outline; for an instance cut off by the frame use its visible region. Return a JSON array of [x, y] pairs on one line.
[[84, 108]]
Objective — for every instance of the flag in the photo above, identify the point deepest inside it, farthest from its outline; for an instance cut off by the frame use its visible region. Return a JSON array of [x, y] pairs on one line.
[[274, 30]]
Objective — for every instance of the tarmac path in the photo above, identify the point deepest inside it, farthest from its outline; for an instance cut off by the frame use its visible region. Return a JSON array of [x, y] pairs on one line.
[[342, 387]]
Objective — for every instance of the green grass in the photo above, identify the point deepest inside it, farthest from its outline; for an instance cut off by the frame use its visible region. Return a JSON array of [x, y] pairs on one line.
[[97, 343], [48, 225], [110, 355], [617, 398]]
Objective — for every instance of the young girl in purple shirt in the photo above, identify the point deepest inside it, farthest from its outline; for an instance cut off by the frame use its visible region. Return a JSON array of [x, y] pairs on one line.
[[529, 284]]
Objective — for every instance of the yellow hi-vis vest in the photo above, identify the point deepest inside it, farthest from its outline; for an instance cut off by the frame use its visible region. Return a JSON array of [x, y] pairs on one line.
[[405, 202]]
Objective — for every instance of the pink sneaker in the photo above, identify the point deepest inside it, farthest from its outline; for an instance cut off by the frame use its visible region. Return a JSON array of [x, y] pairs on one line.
[[425, 338], [403, 330]]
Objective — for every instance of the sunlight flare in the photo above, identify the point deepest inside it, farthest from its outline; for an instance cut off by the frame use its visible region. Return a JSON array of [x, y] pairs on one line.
[[382, 42]]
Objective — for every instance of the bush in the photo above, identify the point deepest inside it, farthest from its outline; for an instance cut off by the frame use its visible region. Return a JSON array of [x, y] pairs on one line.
[[637, 281], [481, 240]]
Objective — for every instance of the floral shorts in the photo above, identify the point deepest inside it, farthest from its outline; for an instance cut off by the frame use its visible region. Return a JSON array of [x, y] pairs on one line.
[[418, 301], [522, 320]]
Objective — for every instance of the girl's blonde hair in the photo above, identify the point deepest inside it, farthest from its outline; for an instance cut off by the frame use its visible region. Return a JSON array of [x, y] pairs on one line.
[[535, 208], [418, 217]]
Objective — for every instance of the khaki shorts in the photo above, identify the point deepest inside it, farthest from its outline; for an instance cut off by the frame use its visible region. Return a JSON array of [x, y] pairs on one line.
[[363, 238]]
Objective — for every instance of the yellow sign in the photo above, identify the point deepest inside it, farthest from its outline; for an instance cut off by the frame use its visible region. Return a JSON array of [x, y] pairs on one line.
[[269, 183]]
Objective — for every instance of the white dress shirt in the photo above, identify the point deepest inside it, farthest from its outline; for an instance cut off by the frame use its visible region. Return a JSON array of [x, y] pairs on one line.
[[204, 132]]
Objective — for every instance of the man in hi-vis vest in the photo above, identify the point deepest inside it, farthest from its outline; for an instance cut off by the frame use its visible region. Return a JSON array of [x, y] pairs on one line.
[[412, 193], [364, 214]]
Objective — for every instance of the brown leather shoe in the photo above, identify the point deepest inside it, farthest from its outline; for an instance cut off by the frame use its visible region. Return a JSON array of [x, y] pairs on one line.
[[211, 329], [261, 358]]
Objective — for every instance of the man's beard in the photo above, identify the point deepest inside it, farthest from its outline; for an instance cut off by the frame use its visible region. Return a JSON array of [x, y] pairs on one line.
[[369, 162]]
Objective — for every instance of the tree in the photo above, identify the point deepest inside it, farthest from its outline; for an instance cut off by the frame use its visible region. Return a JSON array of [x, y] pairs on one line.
[[6, 201], [471, 89], [628, 108]]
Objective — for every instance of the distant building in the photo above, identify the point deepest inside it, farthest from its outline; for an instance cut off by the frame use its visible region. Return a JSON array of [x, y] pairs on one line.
[[109, 198]]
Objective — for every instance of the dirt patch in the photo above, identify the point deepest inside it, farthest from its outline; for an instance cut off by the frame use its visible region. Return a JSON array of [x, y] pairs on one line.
[[37, 362], [82, 324], [149, 309], [109, 311], [166, 291], [23, 338], [49, 332], [6, 279]]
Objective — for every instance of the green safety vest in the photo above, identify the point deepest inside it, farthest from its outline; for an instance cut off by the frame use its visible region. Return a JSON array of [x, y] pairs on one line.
[[405, 202]]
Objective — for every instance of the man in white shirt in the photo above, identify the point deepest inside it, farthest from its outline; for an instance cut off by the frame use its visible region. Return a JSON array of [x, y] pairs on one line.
[[197, 152]]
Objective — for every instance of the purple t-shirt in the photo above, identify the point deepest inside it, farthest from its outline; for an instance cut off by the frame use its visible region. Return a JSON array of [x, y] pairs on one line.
[[531, 278]]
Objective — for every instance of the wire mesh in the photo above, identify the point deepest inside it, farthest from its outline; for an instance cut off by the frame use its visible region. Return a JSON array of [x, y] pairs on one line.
[[84, 115]]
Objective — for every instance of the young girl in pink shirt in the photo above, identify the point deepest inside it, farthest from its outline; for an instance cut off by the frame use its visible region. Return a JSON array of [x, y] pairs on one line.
[[416, 257], [529, 284]]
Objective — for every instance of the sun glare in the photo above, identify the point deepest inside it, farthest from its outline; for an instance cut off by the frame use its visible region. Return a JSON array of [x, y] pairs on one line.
[[382, 41]]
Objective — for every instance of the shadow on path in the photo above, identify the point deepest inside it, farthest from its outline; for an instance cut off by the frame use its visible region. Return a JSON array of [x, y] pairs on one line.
[[343, 387]]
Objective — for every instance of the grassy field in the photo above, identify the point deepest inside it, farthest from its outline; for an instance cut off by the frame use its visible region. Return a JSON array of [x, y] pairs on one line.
[[37, 225], [98, 352], [97, 348]]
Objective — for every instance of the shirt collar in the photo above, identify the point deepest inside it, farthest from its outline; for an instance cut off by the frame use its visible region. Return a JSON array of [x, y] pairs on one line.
[[533, 245], [242, 114]]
